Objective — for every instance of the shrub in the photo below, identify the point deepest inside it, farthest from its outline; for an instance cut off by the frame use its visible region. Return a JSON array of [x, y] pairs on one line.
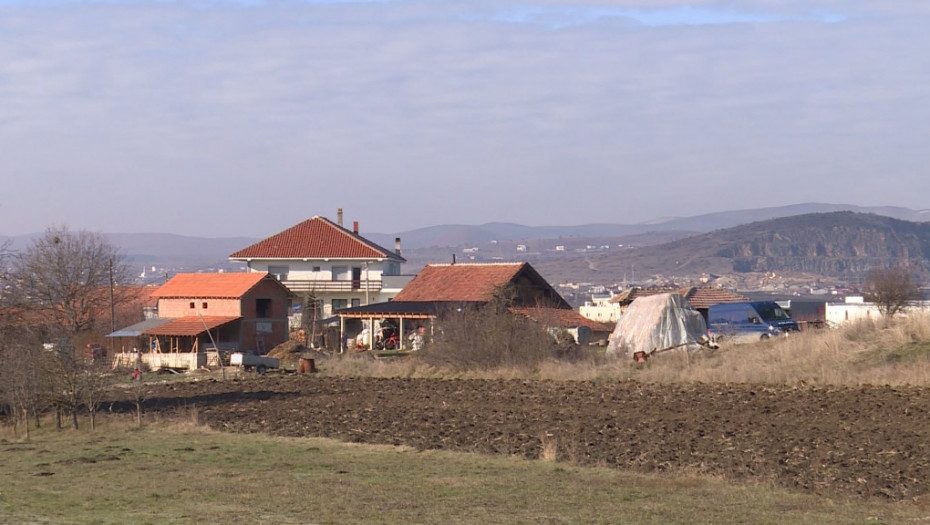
[[486, 338]]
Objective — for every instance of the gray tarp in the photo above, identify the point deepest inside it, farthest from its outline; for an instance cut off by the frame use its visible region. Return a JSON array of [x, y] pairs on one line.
[[655, 323]]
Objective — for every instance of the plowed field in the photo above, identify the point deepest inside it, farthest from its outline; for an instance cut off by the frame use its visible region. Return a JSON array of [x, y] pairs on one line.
[[867, 441]]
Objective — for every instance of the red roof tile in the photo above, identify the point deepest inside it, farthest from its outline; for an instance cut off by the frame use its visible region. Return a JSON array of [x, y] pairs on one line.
[[189, 326], [701, 298], [213, 285], [459, 282], [630, 294], [316, 238], [563, 318]]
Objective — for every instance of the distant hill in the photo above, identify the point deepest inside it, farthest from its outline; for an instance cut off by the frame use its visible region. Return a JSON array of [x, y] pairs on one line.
[[830, 244], [765, 239], [454, 235]]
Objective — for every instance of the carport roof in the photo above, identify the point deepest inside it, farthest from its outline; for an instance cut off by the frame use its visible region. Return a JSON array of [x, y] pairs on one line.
[[188, 326], [138, 329], [406, 309]]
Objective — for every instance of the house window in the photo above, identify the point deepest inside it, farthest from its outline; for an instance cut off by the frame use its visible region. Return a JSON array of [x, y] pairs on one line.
[[339, 304], [204, 305], [279, 272], [340, 273], [356, 303], [193, 305], [316, 268], [263, 308]]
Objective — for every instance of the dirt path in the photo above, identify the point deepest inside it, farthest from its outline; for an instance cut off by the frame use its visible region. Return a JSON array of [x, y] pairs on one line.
[[869, 441]]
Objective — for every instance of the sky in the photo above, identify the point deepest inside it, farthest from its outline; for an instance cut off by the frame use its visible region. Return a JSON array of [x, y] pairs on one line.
[[224, 118]]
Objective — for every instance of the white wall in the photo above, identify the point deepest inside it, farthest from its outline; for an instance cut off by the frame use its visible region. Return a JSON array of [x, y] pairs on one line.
[[304, 270]]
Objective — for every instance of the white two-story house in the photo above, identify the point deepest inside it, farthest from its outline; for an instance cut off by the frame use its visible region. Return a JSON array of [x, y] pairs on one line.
[[336, 267]]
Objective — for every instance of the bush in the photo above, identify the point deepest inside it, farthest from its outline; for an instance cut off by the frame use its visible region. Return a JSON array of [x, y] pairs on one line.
[[487, 338]]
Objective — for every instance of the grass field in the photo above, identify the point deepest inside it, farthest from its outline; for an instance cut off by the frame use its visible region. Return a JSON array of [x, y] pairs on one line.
[[180, 472]]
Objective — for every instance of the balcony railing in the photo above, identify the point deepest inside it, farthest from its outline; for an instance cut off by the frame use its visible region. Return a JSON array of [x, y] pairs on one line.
[[349, 285]]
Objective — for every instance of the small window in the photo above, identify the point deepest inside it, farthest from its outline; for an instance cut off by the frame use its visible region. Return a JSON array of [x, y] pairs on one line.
[[316, 268], [204, 305], [356, 303], [339, 304], [193, 305], [263, 308]]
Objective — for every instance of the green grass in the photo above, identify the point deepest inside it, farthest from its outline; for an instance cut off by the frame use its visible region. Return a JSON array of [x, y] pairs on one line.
[[178, 472]]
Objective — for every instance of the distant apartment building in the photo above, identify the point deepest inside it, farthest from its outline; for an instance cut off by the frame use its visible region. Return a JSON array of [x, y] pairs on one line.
[[600, 308]]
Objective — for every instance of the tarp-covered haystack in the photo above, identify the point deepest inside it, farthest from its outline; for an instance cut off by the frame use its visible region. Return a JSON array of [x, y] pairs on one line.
[[657, 323]]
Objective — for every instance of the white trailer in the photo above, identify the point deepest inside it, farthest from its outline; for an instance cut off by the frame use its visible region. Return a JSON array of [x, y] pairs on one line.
[[259, 363]]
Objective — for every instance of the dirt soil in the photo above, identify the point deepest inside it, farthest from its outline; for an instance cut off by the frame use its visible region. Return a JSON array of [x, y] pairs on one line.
[[865, 441]]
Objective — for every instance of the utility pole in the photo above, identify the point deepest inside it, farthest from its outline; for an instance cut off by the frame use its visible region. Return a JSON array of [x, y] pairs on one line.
[[112, 309]]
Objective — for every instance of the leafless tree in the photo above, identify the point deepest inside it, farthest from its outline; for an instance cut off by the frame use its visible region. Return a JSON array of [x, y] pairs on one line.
[[23, 383], [136, 393], [59, 287], [94, 388], [66, 275], [67, 372], [891, 288]]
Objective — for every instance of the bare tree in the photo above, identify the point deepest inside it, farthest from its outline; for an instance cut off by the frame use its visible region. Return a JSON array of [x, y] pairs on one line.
[[66, 275], [60, 286], [67, 373], [891, 289], [93, 389], [23, 384]]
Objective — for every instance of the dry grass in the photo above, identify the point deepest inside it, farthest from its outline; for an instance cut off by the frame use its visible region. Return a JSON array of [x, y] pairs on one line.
[[872, 352], [880, 352]]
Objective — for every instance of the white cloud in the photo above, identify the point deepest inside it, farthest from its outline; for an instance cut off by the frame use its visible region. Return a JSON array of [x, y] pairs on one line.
[[229, 119]]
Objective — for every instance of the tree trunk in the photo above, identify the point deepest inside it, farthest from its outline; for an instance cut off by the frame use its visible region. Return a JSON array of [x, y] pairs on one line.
[[26, 422], [74, 421]]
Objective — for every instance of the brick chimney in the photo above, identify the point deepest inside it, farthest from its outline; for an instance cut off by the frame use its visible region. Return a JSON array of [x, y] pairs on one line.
[[355, 227], [339, 216], [397, 245]]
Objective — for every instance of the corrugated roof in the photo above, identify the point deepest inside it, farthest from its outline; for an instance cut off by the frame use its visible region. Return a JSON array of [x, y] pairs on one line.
[[459, 282], [315, 238], [135, 330], [188, 326], [212, 285]]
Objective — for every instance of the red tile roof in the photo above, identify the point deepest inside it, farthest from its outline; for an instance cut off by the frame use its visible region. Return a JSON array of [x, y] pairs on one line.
[[459, 282], [630, 294], [189, 326], [315, 238], [701, 298], [212, 285], [563, 318]]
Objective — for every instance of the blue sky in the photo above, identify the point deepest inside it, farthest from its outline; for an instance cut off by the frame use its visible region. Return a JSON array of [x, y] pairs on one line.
[[222, 118]]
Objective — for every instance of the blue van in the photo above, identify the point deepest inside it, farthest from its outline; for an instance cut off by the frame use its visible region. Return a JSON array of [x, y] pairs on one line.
[[748, 321]]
